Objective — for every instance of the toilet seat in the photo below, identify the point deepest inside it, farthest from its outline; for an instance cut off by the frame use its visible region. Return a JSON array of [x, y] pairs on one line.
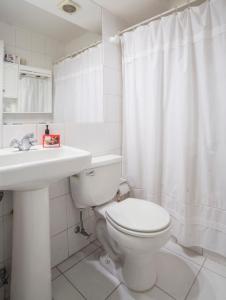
[[138, 217]]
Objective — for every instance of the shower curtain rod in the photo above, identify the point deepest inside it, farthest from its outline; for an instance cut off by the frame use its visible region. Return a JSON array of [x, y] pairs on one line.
[[165, 13], [78, 52]]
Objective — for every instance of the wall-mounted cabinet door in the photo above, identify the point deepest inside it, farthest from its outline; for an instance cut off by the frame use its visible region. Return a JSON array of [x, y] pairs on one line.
[[10, 83]]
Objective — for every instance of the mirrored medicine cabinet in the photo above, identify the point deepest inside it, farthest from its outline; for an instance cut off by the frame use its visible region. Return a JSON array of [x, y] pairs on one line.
[[26, 89]]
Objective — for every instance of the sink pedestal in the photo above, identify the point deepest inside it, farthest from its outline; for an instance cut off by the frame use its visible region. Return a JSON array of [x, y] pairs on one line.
[[31, 269], [28, 174]]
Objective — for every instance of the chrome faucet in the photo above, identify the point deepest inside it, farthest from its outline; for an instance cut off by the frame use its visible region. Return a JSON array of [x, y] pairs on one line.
[[25, 144]]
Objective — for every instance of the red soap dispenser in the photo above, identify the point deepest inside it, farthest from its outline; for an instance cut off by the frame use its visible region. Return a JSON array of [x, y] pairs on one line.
[[50, 140]]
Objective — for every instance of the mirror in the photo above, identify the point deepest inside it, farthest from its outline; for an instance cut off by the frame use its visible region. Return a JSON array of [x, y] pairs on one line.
[[33, 47], [26, 89]]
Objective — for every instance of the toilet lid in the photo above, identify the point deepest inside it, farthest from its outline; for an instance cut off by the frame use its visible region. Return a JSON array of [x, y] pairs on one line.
[[139, 215]]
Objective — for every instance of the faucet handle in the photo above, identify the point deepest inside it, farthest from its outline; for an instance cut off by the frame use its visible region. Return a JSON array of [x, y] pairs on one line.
[[28, 136]]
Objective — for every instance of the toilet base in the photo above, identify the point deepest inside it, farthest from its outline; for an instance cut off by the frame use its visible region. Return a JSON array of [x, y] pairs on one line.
[[139, 272], [111, 266], [141, 277]]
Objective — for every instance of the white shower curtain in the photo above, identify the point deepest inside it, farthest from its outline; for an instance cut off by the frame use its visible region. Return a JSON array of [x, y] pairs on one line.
[[78, 86], [174, 73]]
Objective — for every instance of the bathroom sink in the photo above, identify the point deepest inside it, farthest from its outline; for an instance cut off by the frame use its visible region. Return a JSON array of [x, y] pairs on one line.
[[28, 174], [23, 170]]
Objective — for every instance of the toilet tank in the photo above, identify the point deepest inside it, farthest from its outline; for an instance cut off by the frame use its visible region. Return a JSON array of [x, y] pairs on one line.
[[98, 184]]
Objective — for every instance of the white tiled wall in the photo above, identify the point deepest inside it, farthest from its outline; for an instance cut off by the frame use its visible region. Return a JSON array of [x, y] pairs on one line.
[[98, 138], [38, 50], [64, 217], [81, 42], [12, 131], [59, 248]]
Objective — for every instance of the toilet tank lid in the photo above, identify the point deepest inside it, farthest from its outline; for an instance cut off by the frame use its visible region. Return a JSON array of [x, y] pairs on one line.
[[105, 160]]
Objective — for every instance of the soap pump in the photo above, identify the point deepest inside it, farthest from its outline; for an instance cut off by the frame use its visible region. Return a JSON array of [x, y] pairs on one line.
[[47, 130]]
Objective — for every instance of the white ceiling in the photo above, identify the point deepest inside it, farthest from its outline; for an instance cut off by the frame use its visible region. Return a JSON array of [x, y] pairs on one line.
[[43, 16], [88, 16], [135, 11], [23, 14]]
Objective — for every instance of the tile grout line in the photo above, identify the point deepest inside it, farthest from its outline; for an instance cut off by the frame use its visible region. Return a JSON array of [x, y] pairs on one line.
[[187, 258], [74, 287], [77, 261], [68, 228], [112, 292], [121, 283], [165, 292], [215, 272], [57, 275], [202, 264], [73, 255], [193, 282], [62, 274], [210, 270]]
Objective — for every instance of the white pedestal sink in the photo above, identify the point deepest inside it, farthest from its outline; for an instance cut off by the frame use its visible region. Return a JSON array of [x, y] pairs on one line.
[[29, 174]]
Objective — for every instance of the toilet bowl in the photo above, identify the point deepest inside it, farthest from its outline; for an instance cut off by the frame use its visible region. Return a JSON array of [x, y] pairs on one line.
[[131, 231], [139, 228]]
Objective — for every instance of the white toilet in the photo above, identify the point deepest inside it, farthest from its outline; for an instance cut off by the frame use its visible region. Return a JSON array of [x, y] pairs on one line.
[[131, 231]]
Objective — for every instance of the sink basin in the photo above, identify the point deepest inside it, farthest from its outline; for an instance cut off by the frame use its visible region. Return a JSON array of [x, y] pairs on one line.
[[23, 170], [28, 174]]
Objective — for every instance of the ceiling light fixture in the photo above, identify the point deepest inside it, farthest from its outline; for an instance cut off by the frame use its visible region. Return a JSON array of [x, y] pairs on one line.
[[68, 6]]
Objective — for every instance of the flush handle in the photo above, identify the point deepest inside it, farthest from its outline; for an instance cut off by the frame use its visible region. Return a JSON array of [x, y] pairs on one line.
[[90, 172]]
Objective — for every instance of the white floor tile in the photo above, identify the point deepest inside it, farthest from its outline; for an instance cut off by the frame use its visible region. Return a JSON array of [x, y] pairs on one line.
[[208, 286], [122, 293], [215, 257], [55, 273], [74, 259], [216, 267], [175, 274], [92, 279], [185, 252], [97, 243], [63, 290]]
